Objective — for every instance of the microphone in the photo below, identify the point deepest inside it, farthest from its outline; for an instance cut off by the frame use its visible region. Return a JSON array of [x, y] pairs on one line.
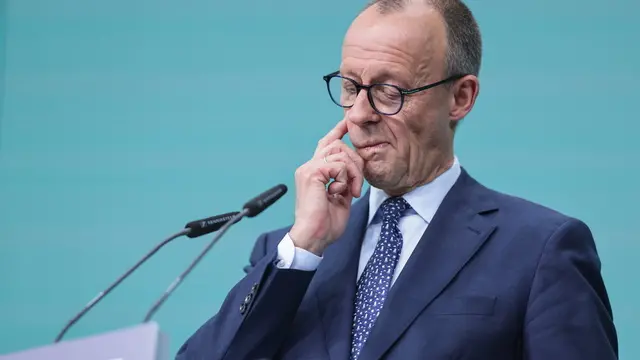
[[208, 225], [259, 203], [193, 229], [250, 209]]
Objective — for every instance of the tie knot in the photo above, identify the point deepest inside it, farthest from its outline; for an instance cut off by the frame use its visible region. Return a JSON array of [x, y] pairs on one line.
[[393, 207]]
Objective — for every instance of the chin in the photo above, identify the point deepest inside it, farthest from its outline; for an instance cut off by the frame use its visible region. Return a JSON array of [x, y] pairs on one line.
[[380, 174]]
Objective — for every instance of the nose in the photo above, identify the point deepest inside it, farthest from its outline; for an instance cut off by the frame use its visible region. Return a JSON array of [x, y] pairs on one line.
[[362, 113]]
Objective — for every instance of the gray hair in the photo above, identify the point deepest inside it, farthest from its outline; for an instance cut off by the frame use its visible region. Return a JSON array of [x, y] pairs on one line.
[[464, 43]]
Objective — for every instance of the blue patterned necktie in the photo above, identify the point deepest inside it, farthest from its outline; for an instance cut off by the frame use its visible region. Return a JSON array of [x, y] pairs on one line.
[[375, 280]]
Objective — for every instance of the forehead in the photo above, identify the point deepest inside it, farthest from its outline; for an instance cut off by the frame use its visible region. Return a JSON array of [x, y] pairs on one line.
[[408, 43]]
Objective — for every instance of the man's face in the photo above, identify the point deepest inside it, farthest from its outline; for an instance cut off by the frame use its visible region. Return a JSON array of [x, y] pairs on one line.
[[406, 49]]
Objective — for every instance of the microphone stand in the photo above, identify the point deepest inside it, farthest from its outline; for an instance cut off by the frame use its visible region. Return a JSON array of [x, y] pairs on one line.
[[195, 262], [103, 293]]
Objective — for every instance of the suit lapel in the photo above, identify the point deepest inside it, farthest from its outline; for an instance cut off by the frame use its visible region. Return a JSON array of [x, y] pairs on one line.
[[336, 277], [455, 234]]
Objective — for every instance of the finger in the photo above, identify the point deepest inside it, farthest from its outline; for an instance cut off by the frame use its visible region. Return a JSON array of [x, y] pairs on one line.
[[339, 173], [338, 188], [336, 171], [354, 173], [339, 145], [325, 172], [341, 200], [335, 134]]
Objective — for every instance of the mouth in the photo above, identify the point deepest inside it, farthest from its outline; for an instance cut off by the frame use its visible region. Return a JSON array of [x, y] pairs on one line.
[[372, 147]]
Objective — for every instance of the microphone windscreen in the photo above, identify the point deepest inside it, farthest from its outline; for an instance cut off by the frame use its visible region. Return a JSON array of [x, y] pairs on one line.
[[258, 204], [208, 225]]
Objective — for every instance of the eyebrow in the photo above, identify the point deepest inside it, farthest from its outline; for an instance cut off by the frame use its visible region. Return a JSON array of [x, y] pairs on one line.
[[383, 76]]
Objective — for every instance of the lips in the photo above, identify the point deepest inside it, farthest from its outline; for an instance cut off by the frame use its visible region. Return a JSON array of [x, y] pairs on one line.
[[371, 150], [371, 145]]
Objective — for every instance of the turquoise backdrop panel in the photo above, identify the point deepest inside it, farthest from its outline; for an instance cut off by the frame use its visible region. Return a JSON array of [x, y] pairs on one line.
[[120, 121]]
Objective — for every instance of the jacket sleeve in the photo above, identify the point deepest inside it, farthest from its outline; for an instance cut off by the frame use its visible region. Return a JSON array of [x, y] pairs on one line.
[[569, 315], [256, 314]]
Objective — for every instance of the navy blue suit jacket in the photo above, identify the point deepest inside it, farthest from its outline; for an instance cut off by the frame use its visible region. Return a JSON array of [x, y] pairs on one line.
[[493, 277]]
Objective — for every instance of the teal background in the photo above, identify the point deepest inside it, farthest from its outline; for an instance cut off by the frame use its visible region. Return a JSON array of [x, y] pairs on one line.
[[123, 120]]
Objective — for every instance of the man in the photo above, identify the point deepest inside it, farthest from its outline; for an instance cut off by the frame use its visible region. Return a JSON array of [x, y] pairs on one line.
[[428, 264]]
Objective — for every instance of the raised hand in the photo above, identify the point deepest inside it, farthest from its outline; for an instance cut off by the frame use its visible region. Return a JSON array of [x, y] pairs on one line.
[[322, 212]]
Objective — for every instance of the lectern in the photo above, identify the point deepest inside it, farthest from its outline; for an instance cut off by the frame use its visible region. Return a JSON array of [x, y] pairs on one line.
[[140, 342]]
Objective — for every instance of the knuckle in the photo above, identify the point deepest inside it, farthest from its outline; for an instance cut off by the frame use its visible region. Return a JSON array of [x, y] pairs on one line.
[[334, 145], [342, 156], [302, 170]]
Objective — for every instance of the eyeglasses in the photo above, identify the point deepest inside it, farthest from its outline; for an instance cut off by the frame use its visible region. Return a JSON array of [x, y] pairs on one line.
[[386, 99]]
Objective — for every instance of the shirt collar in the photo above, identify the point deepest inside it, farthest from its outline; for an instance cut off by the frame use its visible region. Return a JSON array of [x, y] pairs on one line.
[[425, 199]]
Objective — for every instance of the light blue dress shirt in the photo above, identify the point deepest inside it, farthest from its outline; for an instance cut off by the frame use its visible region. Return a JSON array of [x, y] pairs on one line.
[[424, 202]]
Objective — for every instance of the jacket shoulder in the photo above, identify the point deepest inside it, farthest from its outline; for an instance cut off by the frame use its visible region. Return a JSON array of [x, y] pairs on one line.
[[523, 214]]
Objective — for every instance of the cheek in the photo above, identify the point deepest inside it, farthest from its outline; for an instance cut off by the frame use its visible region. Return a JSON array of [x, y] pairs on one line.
[[400, 131], [414, 130], [404, 142], [423, 119]]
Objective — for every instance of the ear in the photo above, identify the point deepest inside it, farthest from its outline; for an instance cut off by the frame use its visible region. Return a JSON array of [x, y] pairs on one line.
[[463, 96]]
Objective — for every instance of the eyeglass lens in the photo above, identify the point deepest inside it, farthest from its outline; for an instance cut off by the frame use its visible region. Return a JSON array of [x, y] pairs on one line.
[[386, 99]]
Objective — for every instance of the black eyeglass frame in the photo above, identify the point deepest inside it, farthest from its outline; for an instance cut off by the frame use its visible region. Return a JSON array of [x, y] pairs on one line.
[[403, 92]]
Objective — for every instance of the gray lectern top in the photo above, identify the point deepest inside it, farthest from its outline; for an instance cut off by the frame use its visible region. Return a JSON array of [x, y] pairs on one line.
[[141, 342]]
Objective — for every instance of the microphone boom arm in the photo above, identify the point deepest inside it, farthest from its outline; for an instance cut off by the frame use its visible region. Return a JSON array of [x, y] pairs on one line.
[[237, 217], [103, 293]]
